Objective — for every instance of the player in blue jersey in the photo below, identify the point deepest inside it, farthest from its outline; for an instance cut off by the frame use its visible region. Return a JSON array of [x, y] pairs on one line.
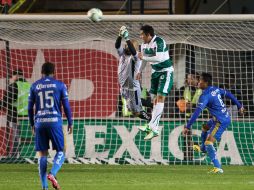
[[48, 94], [211, 98]]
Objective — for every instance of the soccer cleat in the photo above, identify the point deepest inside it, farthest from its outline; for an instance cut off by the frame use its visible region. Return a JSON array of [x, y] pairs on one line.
[[151, 135], [53, 180], [45, 189], [216, 171], [199, 149], [144, 128], [196, 148]]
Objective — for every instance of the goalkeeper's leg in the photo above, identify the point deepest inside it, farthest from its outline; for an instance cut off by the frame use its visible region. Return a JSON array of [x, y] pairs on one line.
[[135, 105]]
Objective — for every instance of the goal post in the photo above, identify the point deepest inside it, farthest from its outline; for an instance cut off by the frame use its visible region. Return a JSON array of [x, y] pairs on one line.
[[86, 60]]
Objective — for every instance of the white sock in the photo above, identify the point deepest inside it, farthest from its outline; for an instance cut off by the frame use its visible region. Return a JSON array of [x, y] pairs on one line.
[[156, 115]]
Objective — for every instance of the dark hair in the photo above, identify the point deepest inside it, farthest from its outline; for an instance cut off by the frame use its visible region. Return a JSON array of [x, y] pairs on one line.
[[207, 78], [147, 29], [196, 75], [17, 72], [48, 68]]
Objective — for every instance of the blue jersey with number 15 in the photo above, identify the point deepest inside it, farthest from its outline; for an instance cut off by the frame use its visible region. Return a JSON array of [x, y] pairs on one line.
[[48, 95]]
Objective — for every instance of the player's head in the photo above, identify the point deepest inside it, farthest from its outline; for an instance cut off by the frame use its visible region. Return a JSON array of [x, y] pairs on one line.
[[146, 33], [205, 80], [48, 69], [16, 74], [192, 79], [135, 45]]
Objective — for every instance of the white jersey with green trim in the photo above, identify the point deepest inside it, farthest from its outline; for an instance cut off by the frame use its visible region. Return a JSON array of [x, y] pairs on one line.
[[156, 53]]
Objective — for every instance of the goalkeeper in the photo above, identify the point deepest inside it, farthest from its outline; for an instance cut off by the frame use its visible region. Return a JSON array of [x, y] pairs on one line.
[[211, 98], [128, 67]]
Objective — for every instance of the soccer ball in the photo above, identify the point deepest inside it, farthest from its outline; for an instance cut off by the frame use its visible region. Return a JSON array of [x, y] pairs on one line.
[[95, 14]]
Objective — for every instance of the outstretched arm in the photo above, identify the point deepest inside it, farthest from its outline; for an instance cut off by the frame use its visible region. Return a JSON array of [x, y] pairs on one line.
[[123, 33], [232, 98], [194, 117], [118, 46], [118, 42], [203, 100], [228, 94], [192, 120], [131, 48]]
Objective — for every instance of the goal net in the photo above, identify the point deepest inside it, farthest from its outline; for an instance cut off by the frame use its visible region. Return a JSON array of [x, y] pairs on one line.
[[86, 60]]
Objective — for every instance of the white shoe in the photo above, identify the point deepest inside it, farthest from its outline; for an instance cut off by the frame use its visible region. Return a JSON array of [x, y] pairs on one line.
[[145, 128], [151, 135]]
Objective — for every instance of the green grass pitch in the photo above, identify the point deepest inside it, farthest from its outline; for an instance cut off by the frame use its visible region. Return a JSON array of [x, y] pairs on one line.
[[127, 177]]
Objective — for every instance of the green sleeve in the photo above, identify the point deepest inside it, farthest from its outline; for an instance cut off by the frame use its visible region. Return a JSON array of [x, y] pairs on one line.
[[160, 44]]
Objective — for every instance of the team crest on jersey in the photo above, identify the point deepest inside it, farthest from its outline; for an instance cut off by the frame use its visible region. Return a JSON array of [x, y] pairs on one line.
[[150, 51], [213, 93]]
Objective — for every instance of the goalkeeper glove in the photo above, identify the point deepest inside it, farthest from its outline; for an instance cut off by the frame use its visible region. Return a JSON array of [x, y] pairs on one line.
[[124, 33]]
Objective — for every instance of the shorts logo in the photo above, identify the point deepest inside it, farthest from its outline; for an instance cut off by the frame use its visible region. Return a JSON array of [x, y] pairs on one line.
[[162, 77]]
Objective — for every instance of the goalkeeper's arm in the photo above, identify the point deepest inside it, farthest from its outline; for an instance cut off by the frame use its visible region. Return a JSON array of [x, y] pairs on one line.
[[118, 42], [131, 48], [120, 50]]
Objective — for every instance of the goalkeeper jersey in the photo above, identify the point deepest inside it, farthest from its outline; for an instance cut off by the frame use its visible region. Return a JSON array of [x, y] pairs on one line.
[[156, 53], [127, 70]]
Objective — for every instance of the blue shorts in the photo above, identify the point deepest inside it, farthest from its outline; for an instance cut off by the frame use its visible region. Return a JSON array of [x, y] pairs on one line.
[[44, 134], [217, 128]]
